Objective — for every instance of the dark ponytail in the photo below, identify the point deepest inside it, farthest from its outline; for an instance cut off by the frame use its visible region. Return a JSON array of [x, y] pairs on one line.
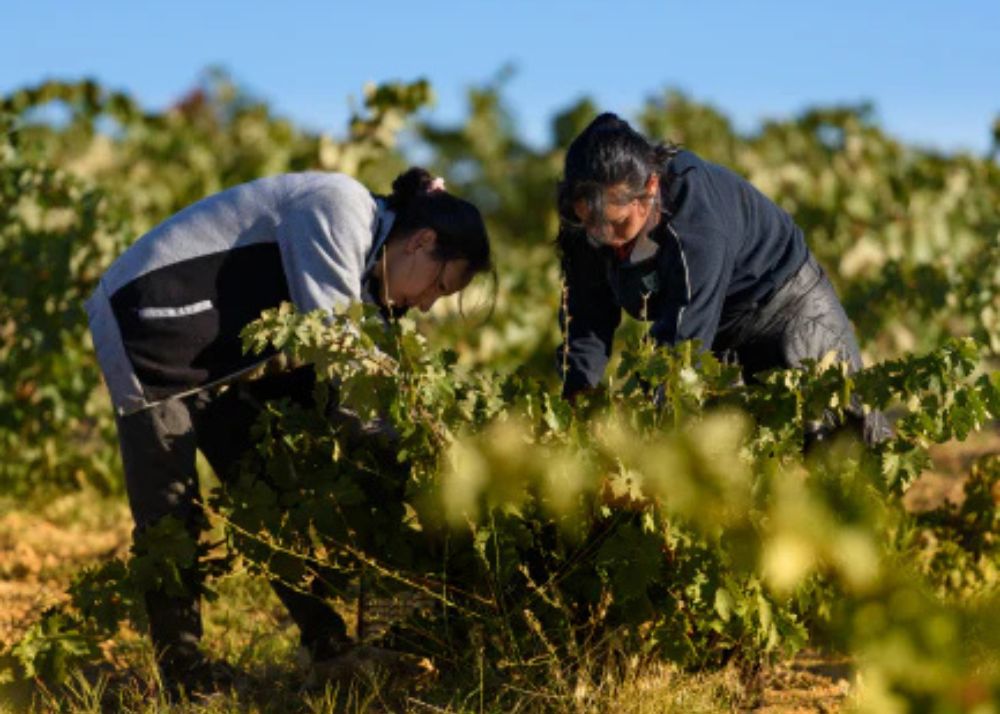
[[461, 233], [607, 153]]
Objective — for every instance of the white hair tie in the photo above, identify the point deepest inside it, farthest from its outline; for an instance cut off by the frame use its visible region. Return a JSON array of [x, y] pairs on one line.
[[436, 185]]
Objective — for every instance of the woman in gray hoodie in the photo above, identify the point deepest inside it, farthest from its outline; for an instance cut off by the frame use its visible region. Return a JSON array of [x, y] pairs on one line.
[[166, 318]]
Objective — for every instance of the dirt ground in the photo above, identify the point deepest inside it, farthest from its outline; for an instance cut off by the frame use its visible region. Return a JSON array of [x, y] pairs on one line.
[[952, 462], [39, 552]]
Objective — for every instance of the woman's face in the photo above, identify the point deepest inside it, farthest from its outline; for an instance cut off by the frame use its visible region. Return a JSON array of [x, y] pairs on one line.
[[625, 217], [412, 276]]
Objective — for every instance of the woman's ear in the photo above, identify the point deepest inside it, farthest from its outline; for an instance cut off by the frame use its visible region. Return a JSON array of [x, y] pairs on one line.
[[653, 184], [421, 239]]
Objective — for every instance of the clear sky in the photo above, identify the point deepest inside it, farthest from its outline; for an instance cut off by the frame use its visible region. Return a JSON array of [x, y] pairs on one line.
[[932, 68]]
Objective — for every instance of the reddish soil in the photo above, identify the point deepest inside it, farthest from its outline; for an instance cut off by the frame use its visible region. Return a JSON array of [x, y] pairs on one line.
[[39, 554]]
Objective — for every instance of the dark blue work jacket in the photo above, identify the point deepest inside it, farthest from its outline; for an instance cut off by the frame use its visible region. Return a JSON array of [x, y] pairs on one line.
[[723, 245]]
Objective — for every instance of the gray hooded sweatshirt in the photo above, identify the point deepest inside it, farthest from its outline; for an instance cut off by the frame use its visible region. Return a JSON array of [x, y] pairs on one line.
[[167, 314]]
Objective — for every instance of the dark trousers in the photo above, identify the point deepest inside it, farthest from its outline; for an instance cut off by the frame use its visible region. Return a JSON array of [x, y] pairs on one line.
[[158, 448], [803, 319]]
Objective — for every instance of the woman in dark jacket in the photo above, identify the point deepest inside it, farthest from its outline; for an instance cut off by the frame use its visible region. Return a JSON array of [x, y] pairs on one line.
[[166, 318], [697, 251]]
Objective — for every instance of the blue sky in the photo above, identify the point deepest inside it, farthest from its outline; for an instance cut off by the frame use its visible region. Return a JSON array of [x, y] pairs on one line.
[[931, 68]]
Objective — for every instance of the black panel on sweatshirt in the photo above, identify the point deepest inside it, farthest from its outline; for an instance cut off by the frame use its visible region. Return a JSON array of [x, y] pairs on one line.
[[172, 354]]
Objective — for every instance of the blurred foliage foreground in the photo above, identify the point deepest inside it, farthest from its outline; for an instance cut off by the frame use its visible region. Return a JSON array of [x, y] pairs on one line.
[[669, 517]]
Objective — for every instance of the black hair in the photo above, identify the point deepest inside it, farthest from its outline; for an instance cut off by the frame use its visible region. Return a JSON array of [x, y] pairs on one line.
[[461, 232], [607, 153], [458, 224]]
